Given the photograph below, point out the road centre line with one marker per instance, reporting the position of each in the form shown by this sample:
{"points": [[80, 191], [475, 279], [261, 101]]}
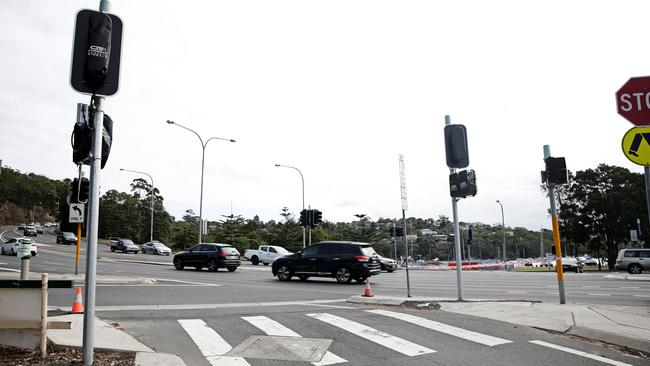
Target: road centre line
{"points": [[384, 339], [210, 343], [590, 286], [444, 328], [599, 294], [645, 296], [273, 328], [629, 287], [580, 353], [213, 306]]}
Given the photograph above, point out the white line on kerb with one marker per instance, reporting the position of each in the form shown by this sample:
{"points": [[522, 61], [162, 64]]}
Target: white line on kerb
{"points": [[444, 328], [384, 339], [10, 270], [210, 343], [213, 306], [273, 328], [580, 353]]}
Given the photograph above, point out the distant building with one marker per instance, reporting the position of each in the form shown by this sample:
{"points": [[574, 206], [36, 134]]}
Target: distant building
{"points": [[427, 232]]}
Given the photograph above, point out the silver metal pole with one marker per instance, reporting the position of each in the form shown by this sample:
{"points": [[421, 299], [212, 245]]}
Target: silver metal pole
{"points": [[201, 199], [302, 178], [541, 242], [91, 235], [406, 246], [503, 231], [457, 248]]}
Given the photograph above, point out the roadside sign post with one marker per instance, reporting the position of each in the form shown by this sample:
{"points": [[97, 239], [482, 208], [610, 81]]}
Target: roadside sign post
{"points": [[24, 252], [633, 104], [78, 251], [402, 182]]}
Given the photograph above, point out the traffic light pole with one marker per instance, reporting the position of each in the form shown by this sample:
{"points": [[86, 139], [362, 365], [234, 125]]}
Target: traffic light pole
{"points": [[93, 220], [457, 248], [406, 246], [556, 233]]}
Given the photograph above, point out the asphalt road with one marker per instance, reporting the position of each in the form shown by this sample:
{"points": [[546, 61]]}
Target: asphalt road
{"points": [[185, 309]]}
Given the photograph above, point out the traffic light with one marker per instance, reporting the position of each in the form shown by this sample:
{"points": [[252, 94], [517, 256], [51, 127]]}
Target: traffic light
{"points": [[399, 231], [470, 236], [84, 190], [456, 146], [316, 217], [556, 172], [303, 218], [82, 136], [462, 184], [96, 53]]}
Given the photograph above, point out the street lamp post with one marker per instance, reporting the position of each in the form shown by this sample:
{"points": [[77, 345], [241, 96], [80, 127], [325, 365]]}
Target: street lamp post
{"points": [[203, 145], [303, 197], [503, 229], [150, 177]]}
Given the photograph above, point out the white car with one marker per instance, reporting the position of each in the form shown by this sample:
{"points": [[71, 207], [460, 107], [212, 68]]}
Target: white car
{"points": [[11, 247], [155, 248]]}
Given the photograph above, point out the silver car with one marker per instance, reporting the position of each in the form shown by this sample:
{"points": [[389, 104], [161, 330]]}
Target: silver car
{"points": [[155, 248], [635, 261]]}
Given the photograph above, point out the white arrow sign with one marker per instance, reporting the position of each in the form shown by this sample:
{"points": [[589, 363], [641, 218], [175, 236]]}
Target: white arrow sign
{"points": [[76, 214], [402, 182]]}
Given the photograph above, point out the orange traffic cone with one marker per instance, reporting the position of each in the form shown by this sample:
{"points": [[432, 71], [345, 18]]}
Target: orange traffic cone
{"points": [[77, 306], [367, 292]]}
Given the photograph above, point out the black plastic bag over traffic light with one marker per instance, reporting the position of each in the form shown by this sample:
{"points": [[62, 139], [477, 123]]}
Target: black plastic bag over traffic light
{"points": [[456, 146], [82, 139], [96, 53], [556, 172]]}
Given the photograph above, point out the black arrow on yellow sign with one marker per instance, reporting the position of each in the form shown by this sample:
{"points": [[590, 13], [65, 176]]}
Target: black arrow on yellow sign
{"points": [[636, 143]]}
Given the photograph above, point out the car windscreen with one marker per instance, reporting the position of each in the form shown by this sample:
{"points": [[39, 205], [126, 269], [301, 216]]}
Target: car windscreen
{"points": [[369, 251], [127, 242], [26, 241], [159, 245]]}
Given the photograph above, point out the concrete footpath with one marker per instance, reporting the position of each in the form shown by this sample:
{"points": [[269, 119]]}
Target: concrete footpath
{"points": [[108, 337], [626, 326]]}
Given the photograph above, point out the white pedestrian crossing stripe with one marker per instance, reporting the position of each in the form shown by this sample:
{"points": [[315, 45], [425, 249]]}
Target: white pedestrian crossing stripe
{"points": [[444, 328], [273, 328], [384, 339], [210, 343], [580, 353]]}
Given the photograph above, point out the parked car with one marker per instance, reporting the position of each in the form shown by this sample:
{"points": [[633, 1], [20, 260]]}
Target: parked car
{"points": [[124, 246], [387, 264], [155, 248], [210, 255], [39, 229], [265, 254], [21, 226], [343, 260], [65, 237], [30, 231], [572, 264], [635, 261], [11, 246]]}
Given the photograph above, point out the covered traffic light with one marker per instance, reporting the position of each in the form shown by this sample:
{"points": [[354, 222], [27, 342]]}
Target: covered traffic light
{"points": [[463, 184], [303, 218], [82, 136], [556, 171], [399, 231], [316, 218], [456, 146]]}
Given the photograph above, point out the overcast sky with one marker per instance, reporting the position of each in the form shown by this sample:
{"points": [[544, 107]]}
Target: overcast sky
{"points": [[337, 89]]}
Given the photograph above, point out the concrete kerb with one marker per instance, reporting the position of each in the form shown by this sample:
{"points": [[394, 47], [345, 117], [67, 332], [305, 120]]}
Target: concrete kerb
{"points": [[627, 277], [80, 279], [624, 326]]}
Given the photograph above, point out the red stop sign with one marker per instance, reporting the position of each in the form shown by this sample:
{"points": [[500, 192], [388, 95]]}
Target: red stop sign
{"points": [[633, 100]]}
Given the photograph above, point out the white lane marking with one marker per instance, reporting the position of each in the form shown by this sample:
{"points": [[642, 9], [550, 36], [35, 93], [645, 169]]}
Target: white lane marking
{"points": [[599, 294], [580, 353], [629, 287], [210, 343], [213, 306], [517, 292], [384, 339], [2, 235], [188, 282], [590, 286], [551, 293], [273, 328], [444, 328], [10, 270], [641, 295]]}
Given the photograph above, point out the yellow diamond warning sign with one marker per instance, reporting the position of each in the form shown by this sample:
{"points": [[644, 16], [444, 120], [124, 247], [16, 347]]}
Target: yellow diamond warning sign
{"points": [[636, 145]]}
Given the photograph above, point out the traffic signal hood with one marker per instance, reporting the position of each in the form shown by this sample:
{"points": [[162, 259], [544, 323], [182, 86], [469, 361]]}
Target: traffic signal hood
{"points": [[556, 171], [456, 146]]}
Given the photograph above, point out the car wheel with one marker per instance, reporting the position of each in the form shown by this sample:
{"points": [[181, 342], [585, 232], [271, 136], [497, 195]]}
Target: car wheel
{"points": [[343, 275], [284, 273], [155, 252], [143, 251], [255, 260], [33, 254], [178, 265], [212, 265], [3, 250], [232, 269], [112, 249], [635, 268], [303, 277]]}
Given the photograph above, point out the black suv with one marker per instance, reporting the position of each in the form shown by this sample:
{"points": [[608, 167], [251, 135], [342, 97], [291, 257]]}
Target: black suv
{"points": [[210, 255], [343, 260]]}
